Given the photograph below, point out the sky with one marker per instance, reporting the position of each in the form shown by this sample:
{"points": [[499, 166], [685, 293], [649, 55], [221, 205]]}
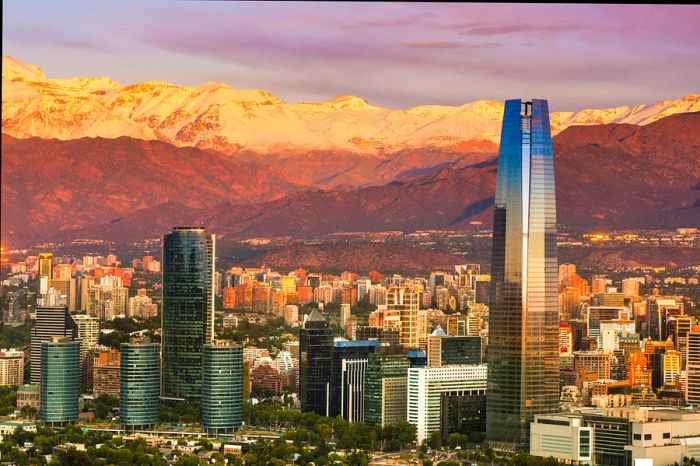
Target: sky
{"points": [[391, 54]]}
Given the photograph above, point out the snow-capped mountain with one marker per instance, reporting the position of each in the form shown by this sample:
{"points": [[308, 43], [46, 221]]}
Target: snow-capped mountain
{"points": [[216, 115]]}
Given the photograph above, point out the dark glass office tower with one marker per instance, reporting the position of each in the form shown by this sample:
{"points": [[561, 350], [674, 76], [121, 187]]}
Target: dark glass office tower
{"points": [[523, 359], [188, 309], [315, 359], [348, 377], [50, 322]]}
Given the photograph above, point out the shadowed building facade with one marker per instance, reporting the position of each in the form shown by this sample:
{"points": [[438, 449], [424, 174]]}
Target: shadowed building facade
{"points": [[315, 361], [523, 364], [188, 309]]}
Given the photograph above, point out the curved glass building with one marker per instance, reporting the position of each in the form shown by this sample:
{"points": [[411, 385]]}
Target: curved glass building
{"points": [[139, 391], [60, 381], [222, 392], [523, 364], [188, 309]]}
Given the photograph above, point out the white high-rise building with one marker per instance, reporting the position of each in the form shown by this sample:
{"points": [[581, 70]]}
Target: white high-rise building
{"points": [[426, 385]]}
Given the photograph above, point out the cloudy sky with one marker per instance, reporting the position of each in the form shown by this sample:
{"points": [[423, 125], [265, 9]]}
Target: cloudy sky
{"points": [[392, 54]]}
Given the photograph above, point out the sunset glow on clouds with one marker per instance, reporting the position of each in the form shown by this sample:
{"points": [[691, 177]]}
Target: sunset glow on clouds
{"points": [[391, 54]]}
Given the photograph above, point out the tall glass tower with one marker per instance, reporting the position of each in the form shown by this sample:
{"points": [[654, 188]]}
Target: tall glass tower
{"points": [[139, 383], [188, 309], [315, 362], [60, 380], [523, 364], [222, 393]]}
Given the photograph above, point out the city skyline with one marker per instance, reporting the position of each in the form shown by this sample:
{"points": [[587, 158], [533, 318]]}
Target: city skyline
{"points": [[331, 233]]}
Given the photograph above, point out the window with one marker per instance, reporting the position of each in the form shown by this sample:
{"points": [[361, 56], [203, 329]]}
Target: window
{"points": [[637, 436], [667, 434], [647, 436]]}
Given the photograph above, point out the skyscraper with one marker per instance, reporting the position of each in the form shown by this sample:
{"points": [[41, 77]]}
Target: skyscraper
{"points": [[50, 322], [523, 364], [188, 309], [315, 359], [222, 393], [60, 380], [139, 383], [348, 377]]}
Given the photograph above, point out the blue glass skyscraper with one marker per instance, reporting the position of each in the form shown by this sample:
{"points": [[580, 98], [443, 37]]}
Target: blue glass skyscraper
{"points": [[523, 364]]}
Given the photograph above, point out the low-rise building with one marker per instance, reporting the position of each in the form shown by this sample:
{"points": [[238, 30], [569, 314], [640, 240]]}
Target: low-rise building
{"points": [[562, 436]]}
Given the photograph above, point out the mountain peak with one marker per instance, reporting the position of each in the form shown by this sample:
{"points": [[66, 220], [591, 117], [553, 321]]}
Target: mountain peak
{"points": [[14, 69], [347, 101]]}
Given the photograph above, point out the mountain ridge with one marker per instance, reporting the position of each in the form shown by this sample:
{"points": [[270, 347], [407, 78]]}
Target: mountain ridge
{"points": [[608, 176], [221, 117]]}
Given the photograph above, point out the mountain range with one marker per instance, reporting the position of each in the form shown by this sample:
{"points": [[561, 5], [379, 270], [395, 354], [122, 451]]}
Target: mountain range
{"points": [[88, 157], [608, 176]]}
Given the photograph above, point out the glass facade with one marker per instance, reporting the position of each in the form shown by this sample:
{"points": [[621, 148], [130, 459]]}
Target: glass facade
{"points": [[315, 360], [523, 362], [385, 387], [461, 350], [139, 390], [60, 381], [188, 309], [347, 377], [222, 393]]}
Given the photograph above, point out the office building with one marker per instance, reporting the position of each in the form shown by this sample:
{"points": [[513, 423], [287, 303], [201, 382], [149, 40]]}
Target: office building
{"points": [[188, 309], [222, 392], [463, 413], [60, 381], [596, 362], [139, 384], [385, 386], [45, 271], [348, 368], [426, 387], [315, 360], [444, 350], [50, 322], [11, 367], [523, 353], [562, 436]]}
